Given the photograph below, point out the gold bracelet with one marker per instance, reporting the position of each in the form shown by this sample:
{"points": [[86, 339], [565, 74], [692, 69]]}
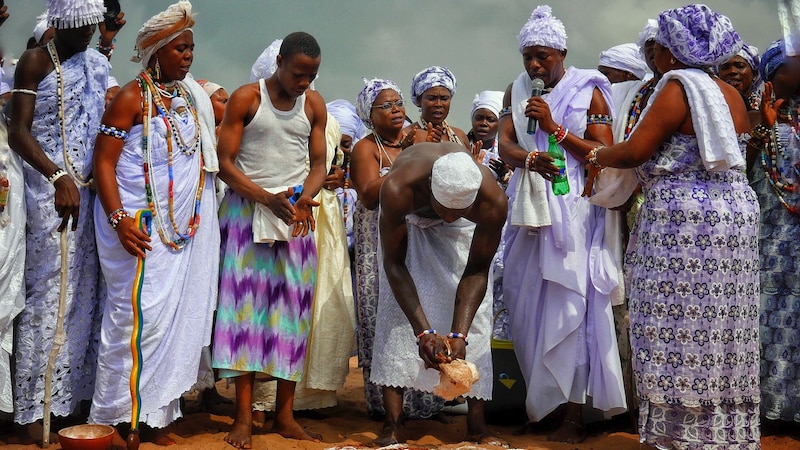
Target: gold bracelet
{"points": [[592, 156]]}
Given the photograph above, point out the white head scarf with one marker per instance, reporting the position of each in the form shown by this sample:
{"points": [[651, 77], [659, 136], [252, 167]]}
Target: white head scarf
{"points": [[625, 57], [267, 63], [543, 29], [209, 86], [349, 122], [455, 180], [41, 27], [161, 29], [74, 13], [491, 100], [648, 33]]}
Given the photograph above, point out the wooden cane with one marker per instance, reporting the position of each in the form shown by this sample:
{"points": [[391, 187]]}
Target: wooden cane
{"points": [[58, 340]]}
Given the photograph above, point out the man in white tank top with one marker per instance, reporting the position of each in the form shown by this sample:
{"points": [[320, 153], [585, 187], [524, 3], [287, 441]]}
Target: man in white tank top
{"points": [[269, 129]]}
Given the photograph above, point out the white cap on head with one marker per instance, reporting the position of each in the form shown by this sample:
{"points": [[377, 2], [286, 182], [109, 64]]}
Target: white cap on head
{"points": [[455, 180]]}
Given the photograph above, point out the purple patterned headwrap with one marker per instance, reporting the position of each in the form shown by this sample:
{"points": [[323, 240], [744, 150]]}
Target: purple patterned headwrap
{"points": [[543, 29], [347, 116], [368, 95], [432, 77], [697, 36], [750, 54], [773, 57]]}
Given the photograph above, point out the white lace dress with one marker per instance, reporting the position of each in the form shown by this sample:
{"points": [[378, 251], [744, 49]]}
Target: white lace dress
{"points": [[12, 263], [85, 81]]}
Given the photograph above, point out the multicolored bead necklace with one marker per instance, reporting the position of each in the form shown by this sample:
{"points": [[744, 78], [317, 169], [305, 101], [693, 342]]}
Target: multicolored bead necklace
{"points": [[148, 89], [69, 162], [637, 106], [769, 161], [190, 147]]}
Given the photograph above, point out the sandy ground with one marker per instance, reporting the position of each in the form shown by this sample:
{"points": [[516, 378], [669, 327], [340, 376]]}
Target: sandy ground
{"points": [[347, 426]]}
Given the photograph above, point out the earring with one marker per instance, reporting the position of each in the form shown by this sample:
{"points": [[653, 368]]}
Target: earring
{"points": [[157, 70], [672, 60]]}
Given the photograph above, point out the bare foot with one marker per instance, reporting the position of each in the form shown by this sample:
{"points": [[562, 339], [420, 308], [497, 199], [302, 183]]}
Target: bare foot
{"points": [[570, 432], [488, 438], [387, 437], [293, 430], [240, 435], [531, 428], [210, 397], [259, 418], [158, 436]]}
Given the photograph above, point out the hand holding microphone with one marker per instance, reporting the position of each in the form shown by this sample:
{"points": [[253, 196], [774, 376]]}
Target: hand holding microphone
{"points": [[537, 87]]}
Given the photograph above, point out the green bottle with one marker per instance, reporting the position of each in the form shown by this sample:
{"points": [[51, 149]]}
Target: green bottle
{"points": [[560, 182]]}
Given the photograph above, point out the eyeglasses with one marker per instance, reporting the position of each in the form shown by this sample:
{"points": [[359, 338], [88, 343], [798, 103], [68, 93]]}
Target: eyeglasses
{"points": [[390, 105]]}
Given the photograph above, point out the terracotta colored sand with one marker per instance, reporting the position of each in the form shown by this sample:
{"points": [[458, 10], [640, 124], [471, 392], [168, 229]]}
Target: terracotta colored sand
{"points": [[347, 426]]}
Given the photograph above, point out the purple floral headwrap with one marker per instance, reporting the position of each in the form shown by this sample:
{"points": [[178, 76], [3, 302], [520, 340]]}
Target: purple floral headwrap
{"points": [[697, 36], [368, 95], [432, 77]]}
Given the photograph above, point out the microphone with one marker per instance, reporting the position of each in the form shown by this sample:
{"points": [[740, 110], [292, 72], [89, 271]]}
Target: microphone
{"points": [[537, 86]]}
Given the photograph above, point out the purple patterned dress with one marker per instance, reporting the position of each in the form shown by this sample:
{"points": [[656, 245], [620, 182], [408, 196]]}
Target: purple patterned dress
{"points": [[693, 280]]}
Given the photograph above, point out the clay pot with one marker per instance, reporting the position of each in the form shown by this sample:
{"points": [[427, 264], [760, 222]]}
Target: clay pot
{"points": [[86, 437]]}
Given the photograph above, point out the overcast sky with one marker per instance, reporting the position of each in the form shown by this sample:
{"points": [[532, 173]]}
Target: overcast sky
{"points": [[476, 39]]}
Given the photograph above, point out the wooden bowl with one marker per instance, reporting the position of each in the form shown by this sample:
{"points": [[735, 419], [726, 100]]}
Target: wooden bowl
{"points": [[86, 437]]}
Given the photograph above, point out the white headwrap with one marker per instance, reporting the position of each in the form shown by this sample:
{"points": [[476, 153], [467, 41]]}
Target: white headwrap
{"points": [[209, 86], [161, 29], [491, 100], [267, 63], [455, 180], [74, 13], [648, 33], [41, 26], [112, 82], [625, 57], [543, 29], [432, 77], [349, 122]]}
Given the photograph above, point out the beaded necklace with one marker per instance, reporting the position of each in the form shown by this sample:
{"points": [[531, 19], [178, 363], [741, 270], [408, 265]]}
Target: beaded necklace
{"points": [[69, 163], [769, 161], [190, 147], [151, 192], [637, 107], [382, 151]]}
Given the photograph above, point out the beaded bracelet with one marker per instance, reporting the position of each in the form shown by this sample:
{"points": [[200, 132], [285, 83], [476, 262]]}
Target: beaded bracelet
{"points": [[453, 335], [55, 176], [116, 217], [505, 112], [530, 160], [760, 132], [113, 132], [560, 134], [592, 157], [599, 119], [428, 331], [108, 51], [506, 177]]}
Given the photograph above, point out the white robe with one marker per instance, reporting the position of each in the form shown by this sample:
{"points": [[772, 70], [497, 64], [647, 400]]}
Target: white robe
{"points": [[436, 257], [12, 263], [179, 292], [558, 280]]}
